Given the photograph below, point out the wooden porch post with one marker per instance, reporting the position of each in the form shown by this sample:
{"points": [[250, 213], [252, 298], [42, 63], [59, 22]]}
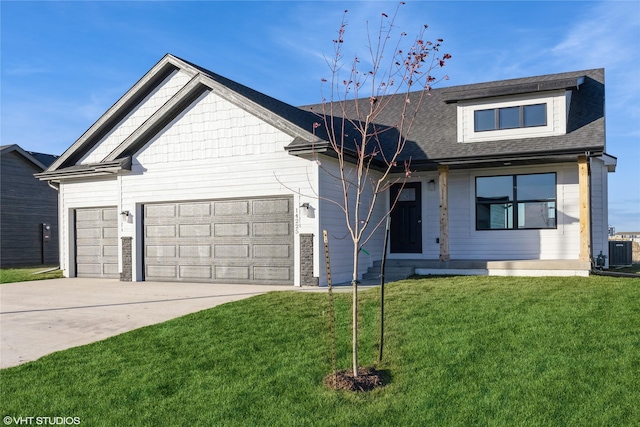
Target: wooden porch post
{"points": [[443, 178], [585, 211]]}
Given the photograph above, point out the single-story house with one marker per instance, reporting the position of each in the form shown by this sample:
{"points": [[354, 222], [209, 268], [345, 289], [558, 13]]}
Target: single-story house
{"points": [[193, 177], [28, 209]]}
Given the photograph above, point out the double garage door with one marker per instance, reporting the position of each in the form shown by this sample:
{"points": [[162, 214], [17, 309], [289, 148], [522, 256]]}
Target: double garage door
{"points": [[220, 241], [217, 241]]}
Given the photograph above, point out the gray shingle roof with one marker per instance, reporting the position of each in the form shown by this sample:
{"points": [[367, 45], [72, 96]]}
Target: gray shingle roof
{"points": [[431, 141], [300, 117], [433, 138], [45, 159]]}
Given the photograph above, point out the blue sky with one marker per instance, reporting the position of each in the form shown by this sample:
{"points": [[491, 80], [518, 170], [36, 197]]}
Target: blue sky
{"points": [[63, 64]]}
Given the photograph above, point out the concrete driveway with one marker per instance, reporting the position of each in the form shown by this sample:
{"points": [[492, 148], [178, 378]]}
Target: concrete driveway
{"points": [[41, 317]]}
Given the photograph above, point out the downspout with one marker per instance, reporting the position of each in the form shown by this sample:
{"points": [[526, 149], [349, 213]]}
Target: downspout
{"points": [[56, 186]]}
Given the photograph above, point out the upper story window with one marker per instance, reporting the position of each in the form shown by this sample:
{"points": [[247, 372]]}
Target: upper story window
{"points": [[513, 117], [522, 116]]}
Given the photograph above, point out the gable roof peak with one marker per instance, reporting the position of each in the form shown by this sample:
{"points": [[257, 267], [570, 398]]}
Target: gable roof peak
{"points": [[289, 119], [39, 159]]}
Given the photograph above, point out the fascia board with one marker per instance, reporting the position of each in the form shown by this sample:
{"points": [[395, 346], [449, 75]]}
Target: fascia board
{"points": [[126, 103], [182, 99], [609, 161], [493, 89], [95, 169]]}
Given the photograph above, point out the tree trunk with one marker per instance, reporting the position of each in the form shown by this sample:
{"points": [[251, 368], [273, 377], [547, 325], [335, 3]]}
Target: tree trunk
{"points": [[354, 284]]}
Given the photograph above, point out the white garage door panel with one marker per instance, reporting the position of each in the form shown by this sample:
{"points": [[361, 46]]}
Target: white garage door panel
{"points": [[220, 241], [96, 231]]}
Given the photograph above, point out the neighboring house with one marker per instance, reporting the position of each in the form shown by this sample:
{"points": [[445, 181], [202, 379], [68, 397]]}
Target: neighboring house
{"points": [[27, 207], [193, 177]]}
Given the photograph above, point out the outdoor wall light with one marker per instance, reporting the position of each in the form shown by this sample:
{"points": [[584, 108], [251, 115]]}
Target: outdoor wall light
{"points": [[125, 215], [431, 185], [307, 210]]}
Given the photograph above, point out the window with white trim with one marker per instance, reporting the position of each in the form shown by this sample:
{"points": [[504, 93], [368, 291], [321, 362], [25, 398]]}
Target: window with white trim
{"points": [[513, 117], [522, 116], [516, 202]]}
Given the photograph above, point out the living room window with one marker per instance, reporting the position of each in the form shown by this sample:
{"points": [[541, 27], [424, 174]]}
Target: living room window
{"points": [[516, 202], [510, 117]]}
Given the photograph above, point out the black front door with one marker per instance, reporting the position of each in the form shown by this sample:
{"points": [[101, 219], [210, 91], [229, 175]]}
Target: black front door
{"points": [[406, 218]]}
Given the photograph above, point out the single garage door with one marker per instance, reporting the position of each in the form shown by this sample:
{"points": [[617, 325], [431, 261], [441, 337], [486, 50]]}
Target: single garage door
{"points": [[97, 242], [220, 241]]}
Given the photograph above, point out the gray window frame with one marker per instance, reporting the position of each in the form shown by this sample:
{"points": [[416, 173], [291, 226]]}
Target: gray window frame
{"points": [[496, 114], [511, 206]]}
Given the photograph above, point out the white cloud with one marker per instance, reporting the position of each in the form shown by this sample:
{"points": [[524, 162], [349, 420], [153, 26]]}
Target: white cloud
{"points": [[608, 32], [25, 69], [310, 32], [607, 35], [49, 125]]}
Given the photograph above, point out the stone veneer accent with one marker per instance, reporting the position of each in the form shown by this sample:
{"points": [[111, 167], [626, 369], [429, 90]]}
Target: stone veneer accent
{"points": [[127, 260], [306, 261]]}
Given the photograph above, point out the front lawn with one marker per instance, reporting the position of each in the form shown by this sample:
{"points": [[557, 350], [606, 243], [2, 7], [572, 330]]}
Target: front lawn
{"points": [[25, 274], [459, 351]]}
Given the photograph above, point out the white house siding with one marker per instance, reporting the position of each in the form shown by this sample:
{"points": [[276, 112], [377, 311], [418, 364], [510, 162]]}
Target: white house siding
{"points": [[560, 243], [215, 150], [333, 220], [599, 209], [159, 96], [75, 195], [465, 242]]}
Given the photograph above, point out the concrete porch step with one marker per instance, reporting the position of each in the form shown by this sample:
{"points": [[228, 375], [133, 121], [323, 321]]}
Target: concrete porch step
{"points": [[392, 271], [398, 269]]}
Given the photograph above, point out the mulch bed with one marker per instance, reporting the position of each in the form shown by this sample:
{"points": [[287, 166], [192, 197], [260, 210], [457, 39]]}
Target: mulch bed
{"points": [[367, 380]]}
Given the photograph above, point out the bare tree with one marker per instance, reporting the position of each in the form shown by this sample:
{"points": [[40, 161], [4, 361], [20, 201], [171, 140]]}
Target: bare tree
{"points": [[368, 152]]}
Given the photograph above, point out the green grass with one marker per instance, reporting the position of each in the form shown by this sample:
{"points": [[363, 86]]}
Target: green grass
{"points": [[25, 274], [461, 351], [633, 269]]}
